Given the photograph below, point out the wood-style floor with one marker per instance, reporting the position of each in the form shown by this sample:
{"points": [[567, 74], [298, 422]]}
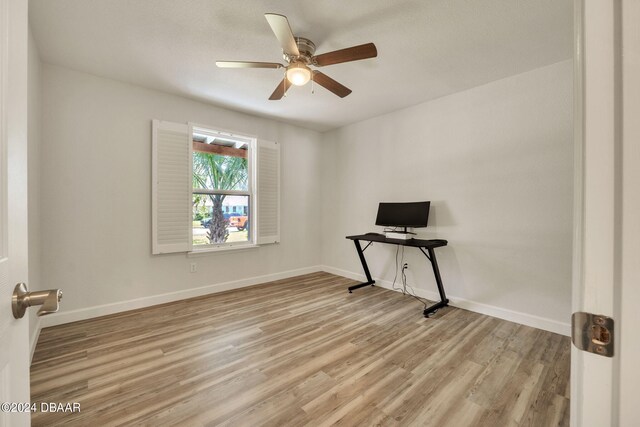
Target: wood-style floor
{"points": [[301, 351]]}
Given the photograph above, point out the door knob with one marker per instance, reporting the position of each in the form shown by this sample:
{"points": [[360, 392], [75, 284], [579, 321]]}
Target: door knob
{"points": [[22, 299]]}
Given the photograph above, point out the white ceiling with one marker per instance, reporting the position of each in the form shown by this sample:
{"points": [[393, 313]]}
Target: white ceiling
{"points": [[426, 48]]}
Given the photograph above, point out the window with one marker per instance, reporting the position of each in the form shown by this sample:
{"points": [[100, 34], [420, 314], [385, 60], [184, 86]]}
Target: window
{"points": [[212, 189], [222, 181]]}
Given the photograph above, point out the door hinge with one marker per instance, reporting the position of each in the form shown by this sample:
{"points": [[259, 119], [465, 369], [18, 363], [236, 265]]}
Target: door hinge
{"points": [[592, 333]]}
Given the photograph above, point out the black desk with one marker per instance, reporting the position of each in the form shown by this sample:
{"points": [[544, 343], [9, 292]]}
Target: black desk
{"points": [[425, 246]]}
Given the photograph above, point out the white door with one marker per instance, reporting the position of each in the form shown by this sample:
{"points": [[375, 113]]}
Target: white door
{"points": [[607, 246], [629, 369], [14, 339]]}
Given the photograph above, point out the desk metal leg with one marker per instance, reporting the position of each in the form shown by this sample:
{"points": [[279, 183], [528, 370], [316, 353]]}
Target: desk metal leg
{"points": [[365, 267], [436, 272]]}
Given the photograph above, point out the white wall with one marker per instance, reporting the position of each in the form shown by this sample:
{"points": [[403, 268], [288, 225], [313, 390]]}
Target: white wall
{"points": [[34, 146], [96, 200], [496, 162]]}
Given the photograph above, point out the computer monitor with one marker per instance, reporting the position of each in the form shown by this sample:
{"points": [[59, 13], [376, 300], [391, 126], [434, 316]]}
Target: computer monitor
{"points": [[407, 214]]}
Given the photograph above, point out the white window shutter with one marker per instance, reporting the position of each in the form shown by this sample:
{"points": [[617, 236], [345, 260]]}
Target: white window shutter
{"points": [[171, 187], [268, 194]]}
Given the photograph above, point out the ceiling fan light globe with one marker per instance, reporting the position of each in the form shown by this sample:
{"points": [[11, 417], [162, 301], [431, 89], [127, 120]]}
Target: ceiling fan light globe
{"points": [[298, 74]]}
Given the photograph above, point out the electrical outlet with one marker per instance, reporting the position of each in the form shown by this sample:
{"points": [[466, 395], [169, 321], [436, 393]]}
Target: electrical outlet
{"points": [[194, 267], [405, 266]]}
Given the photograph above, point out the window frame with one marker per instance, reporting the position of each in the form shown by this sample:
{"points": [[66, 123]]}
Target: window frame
{"points": [[251, 141]]}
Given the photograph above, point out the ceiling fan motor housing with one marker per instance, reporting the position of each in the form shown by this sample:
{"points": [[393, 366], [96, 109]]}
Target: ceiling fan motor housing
{"points": [[306, 48]]}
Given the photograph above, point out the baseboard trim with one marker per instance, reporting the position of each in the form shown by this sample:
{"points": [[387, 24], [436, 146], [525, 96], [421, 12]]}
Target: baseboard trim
{"points": [[63, 317], [490, 310]]}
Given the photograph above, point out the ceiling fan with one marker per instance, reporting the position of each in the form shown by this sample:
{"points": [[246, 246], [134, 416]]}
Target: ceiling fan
{"points": [[299, 54]]}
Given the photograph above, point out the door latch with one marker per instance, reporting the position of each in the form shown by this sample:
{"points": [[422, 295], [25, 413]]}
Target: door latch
{"points": [[592, 333]]}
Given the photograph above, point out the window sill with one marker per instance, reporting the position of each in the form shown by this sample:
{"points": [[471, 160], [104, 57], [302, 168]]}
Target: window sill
{"points": [[221, 248]]}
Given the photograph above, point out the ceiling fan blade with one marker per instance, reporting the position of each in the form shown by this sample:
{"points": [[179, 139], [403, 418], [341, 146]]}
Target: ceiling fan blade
{"points": [[354, 53], [330, 84], [245, 64], [281, 28], [280, 90]]}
